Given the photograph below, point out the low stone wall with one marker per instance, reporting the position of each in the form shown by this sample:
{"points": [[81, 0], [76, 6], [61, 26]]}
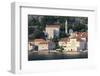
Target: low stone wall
{"points": [[71, 52], [43, 52], [52, 51]]}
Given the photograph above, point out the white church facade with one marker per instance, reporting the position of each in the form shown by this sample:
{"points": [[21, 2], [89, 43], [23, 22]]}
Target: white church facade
{"points": [[52, 31]]}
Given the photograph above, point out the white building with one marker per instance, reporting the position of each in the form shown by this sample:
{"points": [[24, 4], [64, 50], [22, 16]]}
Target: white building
{"points": [[63, 42], [76, 43], [69, 44], [38, 41], [43, 46], [52, 31], [72, 45]]}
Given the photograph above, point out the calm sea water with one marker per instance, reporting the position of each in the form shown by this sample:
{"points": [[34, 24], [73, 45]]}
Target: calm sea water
{"points": [[55, 56]]}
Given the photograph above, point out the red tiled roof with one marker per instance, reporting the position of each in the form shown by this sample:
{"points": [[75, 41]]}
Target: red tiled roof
{"points": [[41, 41], [82, 34], [65, 40], [77, 38]]}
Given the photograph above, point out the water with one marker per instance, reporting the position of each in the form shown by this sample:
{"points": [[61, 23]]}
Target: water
{"points": [[55, 56]]}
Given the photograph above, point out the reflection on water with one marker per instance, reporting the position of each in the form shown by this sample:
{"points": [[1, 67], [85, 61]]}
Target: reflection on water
{"points": [[53, 56]]}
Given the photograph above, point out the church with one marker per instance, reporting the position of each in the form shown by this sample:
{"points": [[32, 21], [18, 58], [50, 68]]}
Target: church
{"points": [[52, 31]]}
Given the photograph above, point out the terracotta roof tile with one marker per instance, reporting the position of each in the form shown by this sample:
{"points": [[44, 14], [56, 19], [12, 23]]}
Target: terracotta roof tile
{"points": [[41, 41]]}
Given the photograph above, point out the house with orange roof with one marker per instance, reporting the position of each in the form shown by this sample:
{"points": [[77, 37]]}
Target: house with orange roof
{"points": [[63, 42], [38, 41], [82, 35], [73, 44], [41, 44]]}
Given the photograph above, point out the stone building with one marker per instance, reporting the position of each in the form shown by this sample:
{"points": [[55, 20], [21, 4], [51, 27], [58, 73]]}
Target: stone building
{"points": [[52, 31]]}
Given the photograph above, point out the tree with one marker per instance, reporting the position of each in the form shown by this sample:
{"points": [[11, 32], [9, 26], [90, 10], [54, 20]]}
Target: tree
{"points": [[61, 49]]}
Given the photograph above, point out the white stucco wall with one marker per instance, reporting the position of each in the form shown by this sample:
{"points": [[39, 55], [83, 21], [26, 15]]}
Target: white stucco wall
{"points": [[50, 31], [43, 47]]}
